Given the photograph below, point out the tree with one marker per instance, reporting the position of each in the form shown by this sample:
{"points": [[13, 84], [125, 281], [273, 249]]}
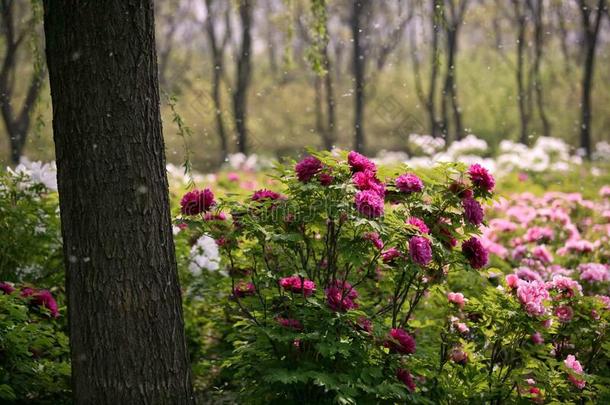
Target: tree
{"points": [[591, 22], [536, 8], [453, 20], [217, 49], [359, 9], [17, 123], [243, 75], [429, 99], [125, 316]]}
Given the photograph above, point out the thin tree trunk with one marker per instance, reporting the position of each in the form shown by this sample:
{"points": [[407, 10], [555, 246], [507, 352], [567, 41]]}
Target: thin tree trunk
{"points": [[125, 315], [537, 10], [359, 7], [330, 102], [437, 18], [520, 73], [591, 33], [217, 51], [240, 94]]}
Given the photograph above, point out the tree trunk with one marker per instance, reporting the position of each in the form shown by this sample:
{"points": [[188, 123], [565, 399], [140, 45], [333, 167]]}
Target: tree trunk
{"points": [[437, 18], [591, 33], [240, 93], [520, 74], [537, 9], [126, 328], [330, 102], [217, 50], [358, 67]]}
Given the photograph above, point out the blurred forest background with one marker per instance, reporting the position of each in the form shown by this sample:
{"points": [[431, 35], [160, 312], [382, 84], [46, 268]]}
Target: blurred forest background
{"points": [[275, 76]]}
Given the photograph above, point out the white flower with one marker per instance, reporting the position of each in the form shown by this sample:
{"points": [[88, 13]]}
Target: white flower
{"points": [[38, 172], [204, 255]]}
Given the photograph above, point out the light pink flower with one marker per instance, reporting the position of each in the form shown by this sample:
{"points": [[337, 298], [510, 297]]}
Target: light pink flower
{"points": [[457, 299]]}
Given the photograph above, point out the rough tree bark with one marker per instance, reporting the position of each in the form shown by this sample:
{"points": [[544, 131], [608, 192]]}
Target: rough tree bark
{"points": [[126, 327], [358, 64], [17, 123], [590, 26], [243, 73], [520, 19]]}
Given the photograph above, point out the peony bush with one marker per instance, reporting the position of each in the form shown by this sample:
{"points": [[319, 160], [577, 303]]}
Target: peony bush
{"points": [[327, 274]]}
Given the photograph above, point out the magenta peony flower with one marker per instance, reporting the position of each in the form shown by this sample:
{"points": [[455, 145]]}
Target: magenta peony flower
{"points": [[420, 250], [44, 298], [409, 183], [512, 281], [481, 178], [264, 195], [375, 238], [298, 285], [532, 295], [390, 255], [340, 296], [474, 251], [369, 204], [406, 378], [575, 368], [6, 288], [307, 168], [457, 299], [26, 292], [290, 323], [360, 163], [564, 313], [400, 341], [419, 224], [325, 179], [367, 180], [197, 201], [210, 216], [473, 212], [537, 338], [243, 289], [365, 324]]}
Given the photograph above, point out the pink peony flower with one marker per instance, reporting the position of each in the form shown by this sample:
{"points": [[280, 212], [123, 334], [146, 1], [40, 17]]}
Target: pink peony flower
{"points": [[473, 212], [341, 296], [574, 367], [409, 183], [541, 253], [527, 274], [290, 323], [298, 285], [6, 288], [197, 201], [481, 178], [594, 272], [457, 299], [369, 204], [474, 251], [367, 180], [264, 195], [419, 224], [512, 280], [565, 286], [360, 163], [605, 301], [375, 238], [400, 341], [532, 295], [44, 298], [210, 216], [539, 234], [243, 289], [462, 327], [390, 255], [307, 168], [459, 356], [406, 378], [564, 313], [420, 250]]}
